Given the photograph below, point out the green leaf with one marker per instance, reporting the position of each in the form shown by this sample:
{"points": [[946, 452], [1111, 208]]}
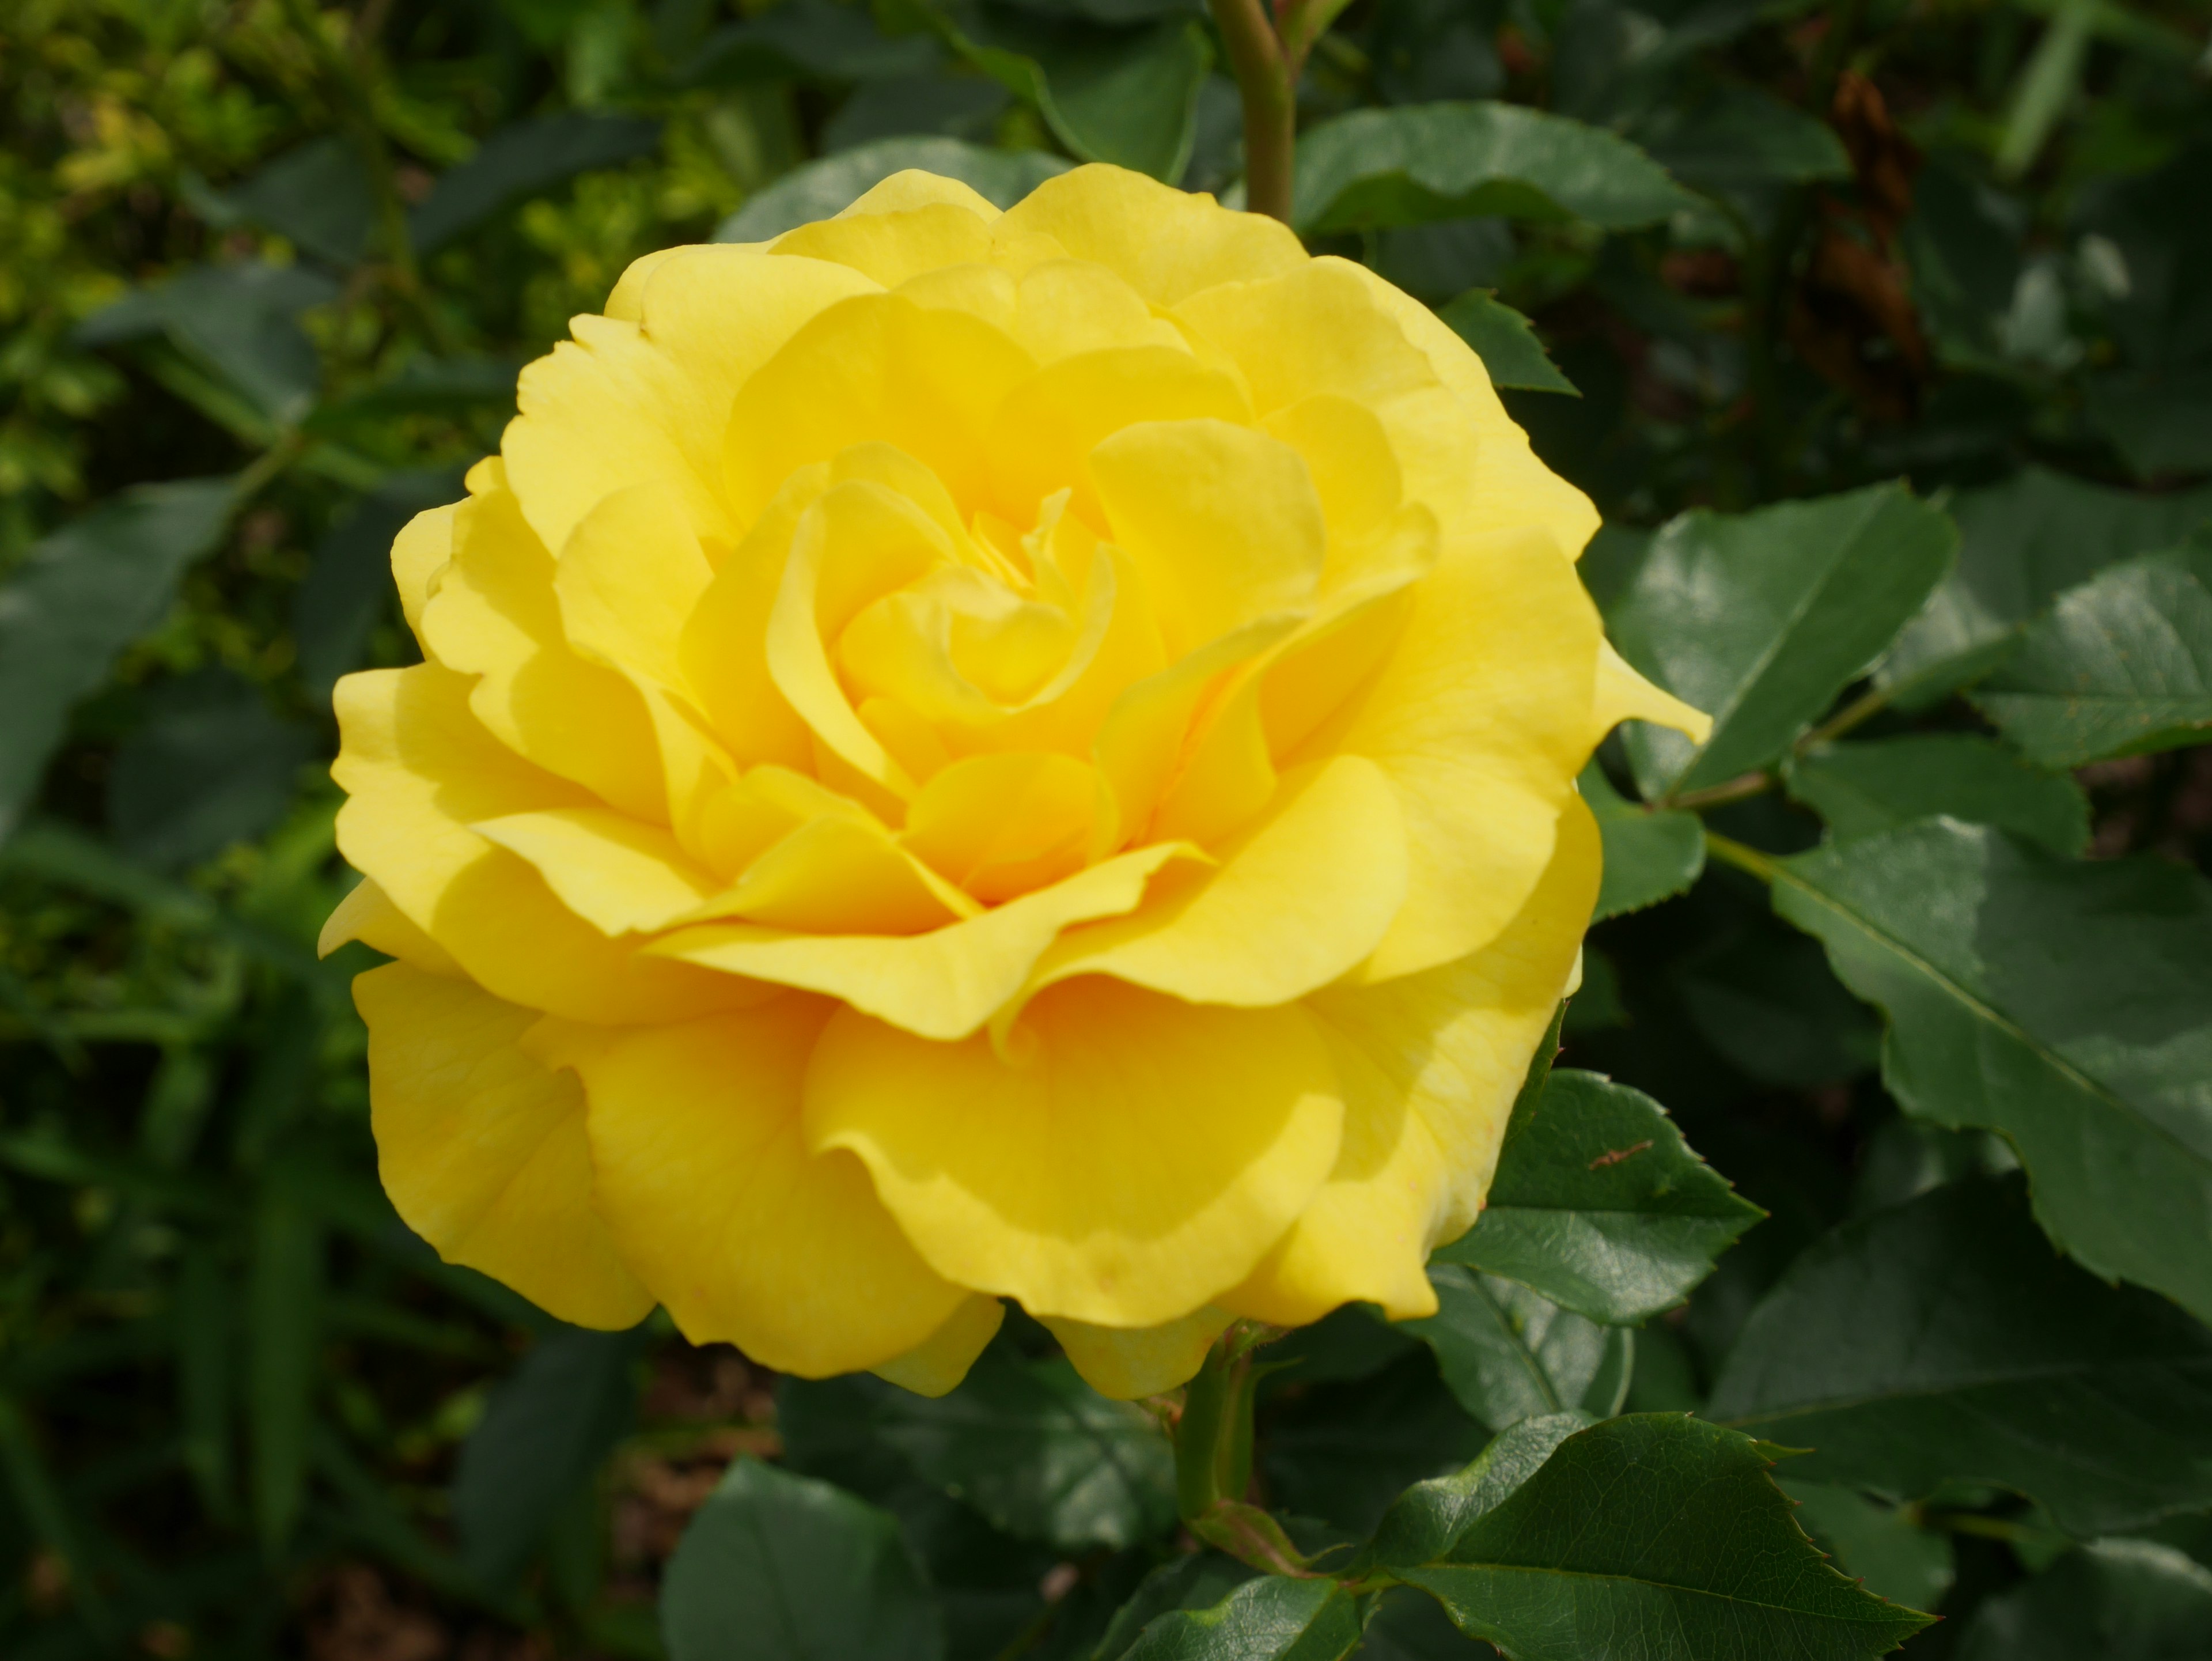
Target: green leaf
{"points": [[1509, 1355], [1193, 1580], [2159, 417], [2120, 666], [1346, 1451], [210, 766], [205, 1346], [1425, 1521], [283, 1294], [1379, 168], [1651, 854], [1272, 1618], [1506, 342], [807, 39], [2067, 1006], [239, 322], [318, 194], [1656, 1537], [1760, 619], [776, 1566], [1944, 1339], [1731, 137], [523, 160], [1866, 786], [1037, 1451], [822, 189], [1600, 1204], [347, 587], [1766, 1002], [2021, 544], [546, 1433], [2117, 1600], [1124, 97], [1885, 1546]]}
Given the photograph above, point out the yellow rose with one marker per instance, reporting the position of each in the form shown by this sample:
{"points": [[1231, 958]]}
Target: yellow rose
{"points": [[964, 756]]}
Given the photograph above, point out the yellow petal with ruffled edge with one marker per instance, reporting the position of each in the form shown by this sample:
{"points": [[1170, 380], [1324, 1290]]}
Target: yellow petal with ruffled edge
{"points": [[1624, 695], [367, 914], [1431, 1064], [483, 1149], [1163, 242], [938, 1366], [706, 1183], [1129, 1363], [1138, 1156]]}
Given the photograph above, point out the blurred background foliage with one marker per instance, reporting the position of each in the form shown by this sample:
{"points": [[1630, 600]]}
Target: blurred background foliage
{"points": [[266, 274]]}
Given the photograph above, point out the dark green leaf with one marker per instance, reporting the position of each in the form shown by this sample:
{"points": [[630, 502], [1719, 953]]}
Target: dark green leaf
{"points": [[237, 322], [1195, 1580], [1268, 1619], [283, 1335], [209, 767], [810, 38], [83, 593], [1125, 96], [1346, 1451], [1599, 1204], [1650, 854], [348, 588], [2121, 665], [1767, 1002], [1730, 137], [1506, 1352], [1884, 1547], [2021, 544], [917, 105], [2117, 1600], [523, 160], [1425, 1521], [318, 195], [2068, 1006], [1033, 1448], [546, 1433], [205, 1345], [1506, 342], [822, 189], [2158, 418], [1866, 786], [1660, 1538], [1943, 1339], [1760, 619], [1402, 167], [775, 1567]]}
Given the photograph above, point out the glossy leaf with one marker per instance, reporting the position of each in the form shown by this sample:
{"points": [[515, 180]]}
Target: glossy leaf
{"points": [[2068, 1006], [1424, 1523], [1886, 1548], [2117, 1600], [1731, 137], [1651, 854], [776, 1566], [1192, 1580], [1272, 1618], [523, 160], [2121, 665], [237, 322], [210, 766], [1861, 788], [2021, 544], [822, 188], [82, 594], [1346, 1451], [1600, 1204], [1378, 168], [1760, 619], [1034, 1449], [318, 195], [1660, 1538], [546, 1433], [1509, 1355], [1506, 342], [1945, 1340]]}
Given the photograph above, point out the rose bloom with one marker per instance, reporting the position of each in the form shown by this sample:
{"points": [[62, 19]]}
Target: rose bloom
{"points": [[964, 755]]}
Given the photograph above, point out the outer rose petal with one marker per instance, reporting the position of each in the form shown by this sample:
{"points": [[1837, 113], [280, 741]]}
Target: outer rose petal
{"points": [[1139, 1158], [938, 1366], [1126, 1363], [1163, 242], [367, 914], [707, 1185], [482, 1149], [416, 767], [1431, 1064], [1624, 695]]}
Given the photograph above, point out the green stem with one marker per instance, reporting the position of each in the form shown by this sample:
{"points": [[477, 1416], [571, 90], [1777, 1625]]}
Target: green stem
{"points": [[1729, 851], [1267, 79], [1740, 788], [1213, 1438], [1860, 709]]}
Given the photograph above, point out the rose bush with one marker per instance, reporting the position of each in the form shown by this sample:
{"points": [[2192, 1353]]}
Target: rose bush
{"points": [[964, 756]]}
